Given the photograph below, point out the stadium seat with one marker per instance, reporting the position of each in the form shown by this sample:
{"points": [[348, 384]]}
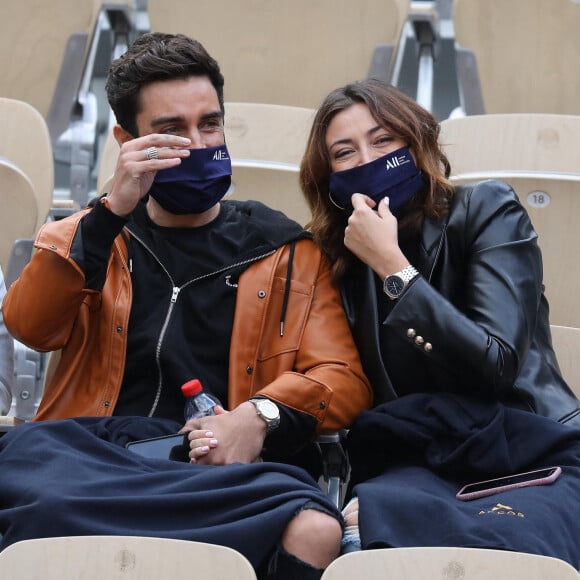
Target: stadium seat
{"points": [[566, 342], [266, 143], [266, 131], [26, 143], [19, 208], [120, 558], [288, 53], [518, 56], [447, 563], [33, 41], [51, 54], [538, 155]]}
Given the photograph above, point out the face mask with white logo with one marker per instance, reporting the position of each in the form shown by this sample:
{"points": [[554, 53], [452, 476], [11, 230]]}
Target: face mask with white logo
{"points": [[394, 176], [197, 184]]}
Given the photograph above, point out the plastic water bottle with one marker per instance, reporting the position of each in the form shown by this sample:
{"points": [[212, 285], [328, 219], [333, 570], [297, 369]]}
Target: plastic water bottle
{"points": [[198, 403]]}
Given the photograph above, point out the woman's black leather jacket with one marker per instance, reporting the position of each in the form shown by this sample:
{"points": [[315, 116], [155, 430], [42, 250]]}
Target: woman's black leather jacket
{"points": [[475, 320]]}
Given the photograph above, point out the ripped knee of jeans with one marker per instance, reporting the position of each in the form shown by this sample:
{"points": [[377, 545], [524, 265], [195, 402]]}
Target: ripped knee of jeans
{"points": [[313, 505]]}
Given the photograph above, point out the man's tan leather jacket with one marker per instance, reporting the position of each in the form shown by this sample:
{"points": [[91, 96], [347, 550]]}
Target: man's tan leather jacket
{"points": [[314, 367]]}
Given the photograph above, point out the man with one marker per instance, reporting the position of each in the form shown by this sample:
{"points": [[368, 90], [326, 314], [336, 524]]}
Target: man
{"points": [[162, 282]]}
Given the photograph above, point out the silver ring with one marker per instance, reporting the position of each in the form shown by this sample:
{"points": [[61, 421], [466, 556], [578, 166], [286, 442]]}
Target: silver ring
{"points": [[152, 153]]}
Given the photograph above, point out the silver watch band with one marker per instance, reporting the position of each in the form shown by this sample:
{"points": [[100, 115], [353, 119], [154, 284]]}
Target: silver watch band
{"points": [[395, 284], [407, 274]]}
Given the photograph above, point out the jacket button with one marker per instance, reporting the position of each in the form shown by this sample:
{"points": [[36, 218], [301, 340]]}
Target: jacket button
{"points": [[411, 333], [119, 329], [428, 347], [261, 294], [323, 404], [107, 404], [52, 247], [249, 369], [419, 340]]}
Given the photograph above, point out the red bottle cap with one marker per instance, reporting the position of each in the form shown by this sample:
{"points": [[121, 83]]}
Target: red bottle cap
{"points": [[191, 388]]}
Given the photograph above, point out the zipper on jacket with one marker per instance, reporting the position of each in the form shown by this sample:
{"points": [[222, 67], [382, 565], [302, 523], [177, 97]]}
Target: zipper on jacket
{"points": [[175, 290]]}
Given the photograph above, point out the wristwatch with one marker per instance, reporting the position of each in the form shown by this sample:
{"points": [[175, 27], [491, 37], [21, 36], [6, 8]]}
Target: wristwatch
{"points": [[394, 285], [269, 412]]}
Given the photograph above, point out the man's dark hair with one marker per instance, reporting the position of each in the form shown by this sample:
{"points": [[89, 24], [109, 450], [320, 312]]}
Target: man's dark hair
{"points": [[154, 57]]}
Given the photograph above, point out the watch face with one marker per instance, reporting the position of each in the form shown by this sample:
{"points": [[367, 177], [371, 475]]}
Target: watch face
{"points": [[269, 409], [394, 286]]}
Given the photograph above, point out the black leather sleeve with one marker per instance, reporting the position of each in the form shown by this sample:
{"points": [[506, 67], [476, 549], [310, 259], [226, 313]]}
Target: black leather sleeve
{"points": [[478, 311]]}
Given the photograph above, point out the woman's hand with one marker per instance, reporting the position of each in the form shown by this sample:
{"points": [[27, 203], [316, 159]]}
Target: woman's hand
{"points": [[372, 236]]}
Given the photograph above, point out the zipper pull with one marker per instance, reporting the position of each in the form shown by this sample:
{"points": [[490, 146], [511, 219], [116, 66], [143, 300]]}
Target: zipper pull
{"points": [[174, 294]]}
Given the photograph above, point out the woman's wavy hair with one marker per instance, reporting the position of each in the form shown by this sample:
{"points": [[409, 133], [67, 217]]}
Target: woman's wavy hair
{"points": [[404, 119]]}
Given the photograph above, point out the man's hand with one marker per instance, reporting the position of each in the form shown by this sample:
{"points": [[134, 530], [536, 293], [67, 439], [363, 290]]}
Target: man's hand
{"points": [[227, 437], [135, 172]]}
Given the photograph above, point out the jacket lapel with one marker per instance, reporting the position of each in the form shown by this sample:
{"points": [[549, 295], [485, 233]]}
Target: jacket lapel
{"points": [[432, 240]]}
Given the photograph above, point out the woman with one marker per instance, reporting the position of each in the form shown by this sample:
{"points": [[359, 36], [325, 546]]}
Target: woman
{"points": [[443, 290]]}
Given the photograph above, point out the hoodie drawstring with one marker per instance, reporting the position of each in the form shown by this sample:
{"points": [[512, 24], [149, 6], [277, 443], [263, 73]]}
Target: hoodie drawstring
{"points": [[287, 287]]}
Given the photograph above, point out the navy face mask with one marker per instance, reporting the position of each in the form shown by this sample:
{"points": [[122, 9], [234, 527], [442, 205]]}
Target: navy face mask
{"points": [[197, 184], [395, 175]]}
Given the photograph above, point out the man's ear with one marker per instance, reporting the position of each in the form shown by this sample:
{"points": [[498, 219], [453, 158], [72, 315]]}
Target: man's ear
{"points": [[121, 135]]}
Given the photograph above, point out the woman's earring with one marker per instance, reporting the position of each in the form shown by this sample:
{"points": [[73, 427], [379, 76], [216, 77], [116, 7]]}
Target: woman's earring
{"points": [[334, 202]]}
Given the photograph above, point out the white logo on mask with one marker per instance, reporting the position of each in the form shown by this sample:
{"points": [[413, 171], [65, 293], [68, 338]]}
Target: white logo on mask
{"points": [[220, 155], [397, 162]]}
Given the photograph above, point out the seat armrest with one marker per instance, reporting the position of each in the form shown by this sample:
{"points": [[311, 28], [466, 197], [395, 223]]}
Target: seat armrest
{"points": [[335, 465], [470, 92], [7, 423], [424, 21]]}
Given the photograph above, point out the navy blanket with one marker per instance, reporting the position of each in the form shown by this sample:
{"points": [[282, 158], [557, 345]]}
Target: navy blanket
{"points": [[411, 456], [74, 477]]}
